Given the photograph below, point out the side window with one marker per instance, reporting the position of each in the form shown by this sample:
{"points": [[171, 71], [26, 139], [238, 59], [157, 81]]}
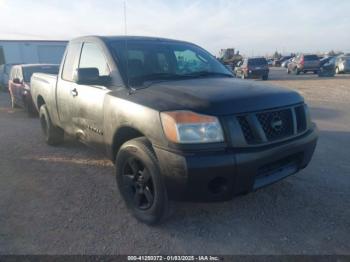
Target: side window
{"points": [[70, 63], [93, 56]]}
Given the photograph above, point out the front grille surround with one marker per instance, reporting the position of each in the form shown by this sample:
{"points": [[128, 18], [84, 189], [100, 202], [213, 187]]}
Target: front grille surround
{"points": [[301, 118], [274, 125], [247, 131]]}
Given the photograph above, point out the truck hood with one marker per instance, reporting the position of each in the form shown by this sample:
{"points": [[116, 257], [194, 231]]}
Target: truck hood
{"points": [[215, 96]]}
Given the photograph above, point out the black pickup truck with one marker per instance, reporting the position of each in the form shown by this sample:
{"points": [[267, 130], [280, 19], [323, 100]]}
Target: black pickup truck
{"points": [[173, 120]]}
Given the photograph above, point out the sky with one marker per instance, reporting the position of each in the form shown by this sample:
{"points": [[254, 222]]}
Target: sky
{"points": [[254, 27]]}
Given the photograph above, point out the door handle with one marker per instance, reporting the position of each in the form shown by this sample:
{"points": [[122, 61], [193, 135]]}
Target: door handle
{"points": [[74, 92]]}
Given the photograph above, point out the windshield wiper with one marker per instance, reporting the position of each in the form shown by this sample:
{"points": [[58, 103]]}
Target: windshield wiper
{"points": [[206, 73], [139, 82], [157, 76]]}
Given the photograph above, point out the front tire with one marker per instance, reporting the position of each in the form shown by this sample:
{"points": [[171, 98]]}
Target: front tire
{"points": [[337, 70], [53, 135], [140, 183]]}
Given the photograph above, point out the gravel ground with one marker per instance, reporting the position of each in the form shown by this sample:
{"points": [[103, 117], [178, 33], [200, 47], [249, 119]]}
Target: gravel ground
{"points": [[64, 200]]}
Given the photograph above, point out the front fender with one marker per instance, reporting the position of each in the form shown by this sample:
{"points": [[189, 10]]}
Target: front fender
{"points": [[119, 112]]}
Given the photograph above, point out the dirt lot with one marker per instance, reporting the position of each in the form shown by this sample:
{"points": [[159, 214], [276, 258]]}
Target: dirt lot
{"points": [[64, 200]]}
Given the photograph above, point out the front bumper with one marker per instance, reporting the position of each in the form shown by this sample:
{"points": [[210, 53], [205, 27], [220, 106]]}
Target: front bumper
{"points": [[221, 175]]}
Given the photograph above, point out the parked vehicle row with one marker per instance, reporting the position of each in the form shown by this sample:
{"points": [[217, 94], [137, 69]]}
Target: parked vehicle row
{"points": [[258, 67], [173, 119], [325, 66], [304, 63]]}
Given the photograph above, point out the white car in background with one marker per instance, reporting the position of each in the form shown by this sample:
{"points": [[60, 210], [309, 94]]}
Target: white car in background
{"points": [[342, 64], [285, 63]]}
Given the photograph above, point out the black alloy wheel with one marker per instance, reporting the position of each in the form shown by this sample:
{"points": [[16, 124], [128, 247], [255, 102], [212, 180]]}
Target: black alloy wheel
{"points": [[138, 181]]}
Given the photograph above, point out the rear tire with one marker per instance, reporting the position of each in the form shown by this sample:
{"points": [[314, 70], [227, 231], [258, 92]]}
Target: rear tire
{"points": [[53, 135], [139, 181], [243, 76], [288, 72], [297, 72], [31, 112], [337, 70]]}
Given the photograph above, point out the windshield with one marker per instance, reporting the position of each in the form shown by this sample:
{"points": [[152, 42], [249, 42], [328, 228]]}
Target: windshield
{"points": [[29, 71], [164, 60], [257, 62]]}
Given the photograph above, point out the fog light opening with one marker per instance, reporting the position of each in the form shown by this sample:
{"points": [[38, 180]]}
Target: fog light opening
{"points": [[218, 185]]}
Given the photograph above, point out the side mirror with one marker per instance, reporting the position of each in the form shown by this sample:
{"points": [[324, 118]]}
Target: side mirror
{"points": [[90, 76], [17, 81]]}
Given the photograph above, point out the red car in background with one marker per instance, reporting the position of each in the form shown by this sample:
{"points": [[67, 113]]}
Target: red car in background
{"points": [[19, 84]]}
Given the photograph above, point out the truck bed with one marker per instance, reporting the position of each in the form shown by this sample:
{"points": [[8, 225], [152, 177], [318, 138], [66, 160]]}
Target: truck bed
{"points": [[43, 84]]}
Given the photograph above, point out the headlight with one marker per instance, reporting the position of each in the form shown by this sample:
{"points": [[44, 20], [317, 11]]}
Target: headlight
{"points": [[191, 128]]}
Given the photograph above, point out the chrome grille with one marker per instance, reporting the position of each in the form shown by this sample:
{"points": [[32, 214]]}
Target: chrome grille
{"points": [[284, 128], [273, 125]]}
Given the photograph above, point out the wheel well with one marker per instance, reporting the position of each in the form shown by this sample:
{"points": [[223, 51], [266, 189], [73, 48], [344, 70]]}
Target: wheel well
{"points": [[40, 102], [123, 135]]}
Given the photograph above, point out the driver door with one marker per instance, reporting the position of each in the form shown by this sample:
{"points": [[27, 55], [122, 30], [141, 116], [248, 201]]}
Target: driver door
{"points": [[89, 99]]}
